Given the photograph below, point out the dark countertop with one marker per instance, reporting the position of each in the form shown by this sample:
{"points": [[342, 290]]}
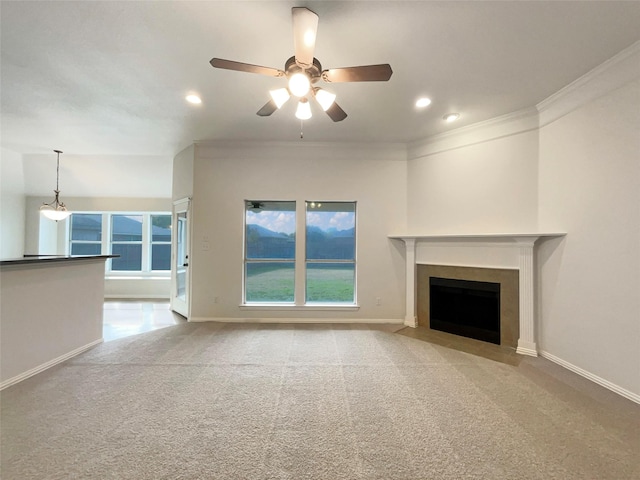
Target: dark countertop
{"points": [[35, 259]]}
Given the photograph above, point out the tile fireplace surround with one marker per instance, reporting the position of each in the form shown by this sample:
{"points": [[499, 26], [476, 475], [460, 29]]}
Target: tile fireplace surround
{"points": [[499, 251]]}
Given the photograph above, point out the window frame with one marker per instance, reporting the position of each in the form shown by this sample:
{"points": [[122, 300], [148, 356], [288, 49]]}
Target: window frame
{"points": [[106, 242], [143, 242], [254, 261], [336, 261], [157, 242], [300, 264], [71, 241]]}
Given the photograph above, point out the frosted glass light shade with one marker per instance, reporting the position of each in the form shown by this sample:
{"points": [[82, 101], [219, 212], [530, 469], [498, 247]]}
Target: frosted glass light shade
{"points": [[59, 213], [299, 84], [303, 112], [280, 96], [325, 99]]}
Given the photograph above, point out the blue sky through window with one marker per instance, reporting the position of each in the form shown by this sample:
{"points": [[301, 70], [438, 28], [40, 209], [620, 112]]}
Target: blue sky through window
{"points": [[276, 221], [285, 222]]}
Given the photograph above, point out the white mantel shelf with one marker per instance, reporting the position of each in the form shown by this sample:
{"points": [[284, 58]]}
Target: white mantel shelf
{"points": [[524, 242], [479, 236]]}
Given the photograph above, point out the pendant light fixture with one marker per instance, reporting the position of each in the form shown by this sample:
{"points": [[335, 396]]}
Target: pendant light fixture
{"points": [[55, 210]]}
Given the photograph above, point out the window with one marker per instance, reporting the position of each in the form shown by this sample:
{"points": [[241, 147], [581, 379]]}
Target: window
{"points": [[326, 263], [143, 240], [270, 249], [126, 241], [160, 242], [86, 234], [330, 252]]}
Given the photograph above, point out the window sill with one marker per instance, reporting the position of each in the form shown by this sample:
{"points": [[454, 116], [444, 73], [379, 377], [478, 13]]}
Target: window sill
{"points": [[314, 307], [137, 277]]}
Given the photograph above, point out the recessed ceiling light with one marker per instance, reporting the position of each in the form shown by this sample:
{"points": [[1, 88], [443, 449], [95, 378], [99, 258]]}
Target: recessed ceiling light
{"points": [[451, 117], [423, 102], [193, 99]]}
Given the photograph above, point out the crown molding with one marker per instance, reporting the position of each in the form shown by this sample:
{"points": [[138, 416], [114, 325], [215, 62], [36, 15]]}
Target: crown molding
{"points": [[520, 121], [298, 150], [614, 73]]}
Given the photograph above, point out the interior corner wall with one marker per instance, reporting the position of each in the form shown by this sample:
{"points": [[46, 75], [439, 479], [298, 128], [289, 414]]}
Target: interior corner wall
{"points": [[589, 186], [12, 205], [487, 187], [374, 177], [12, 225], [182, 183]]}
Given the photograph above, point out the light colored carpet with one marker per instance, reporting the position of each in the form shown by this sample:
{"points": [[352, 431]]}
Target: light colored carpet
{"points": [[244, 401]]}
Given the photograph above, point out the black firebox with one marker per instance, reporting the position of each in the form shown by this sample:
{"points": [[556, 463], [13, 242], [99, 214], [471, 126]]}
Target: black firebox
{"points": [[464, 307]]}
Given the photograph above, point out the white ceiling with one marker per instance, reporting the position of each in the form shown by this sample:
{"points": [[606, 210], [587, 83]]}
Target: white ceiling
{"points": [[110, 77]]}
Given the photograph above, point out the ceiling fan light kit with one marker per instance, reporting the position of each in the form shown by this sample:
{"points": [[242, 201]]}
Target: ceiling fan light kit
{"points": [[303, 70], [303, 112], [299, 84], [324, 98], [280, 96]]}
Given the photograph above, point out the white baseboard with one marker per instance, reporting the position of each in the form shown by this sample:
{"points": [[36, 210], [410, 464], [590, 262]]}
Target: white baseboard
{"points": [[411, 321], [49, 364], [116, 296], [634, 397], [393, 321]]}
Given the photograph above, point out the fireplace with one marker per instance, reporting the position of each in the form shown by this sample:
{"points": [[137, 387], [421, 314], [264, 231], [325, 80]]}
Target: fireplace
{"points": [[510, 252], [465, 307], [480, 303]]}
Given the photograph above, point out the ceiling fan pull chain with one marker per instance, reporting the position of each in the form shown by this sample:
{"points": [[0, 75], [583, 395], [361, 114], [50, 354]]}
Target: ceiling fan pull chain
{"points": [[301, 133]]}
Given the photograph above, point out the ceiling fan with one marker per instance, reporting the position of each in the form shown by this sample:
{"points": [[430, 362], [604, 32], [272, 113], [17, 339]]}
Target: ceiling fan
{"points": [[303, 71], [255, 207]]}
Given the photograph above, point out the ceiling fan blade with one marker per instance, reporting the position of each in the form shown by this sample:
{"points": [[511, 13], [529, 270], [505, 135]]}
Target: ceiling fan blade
{"points": [[305, 27], [366, 73], [245, 67], [268, 109], [336, 113]]}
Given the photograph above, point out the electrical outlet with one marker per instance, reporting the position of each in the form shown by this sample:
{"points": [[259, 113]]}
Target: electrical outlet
{"points": [[205, 246], [378, 301]]}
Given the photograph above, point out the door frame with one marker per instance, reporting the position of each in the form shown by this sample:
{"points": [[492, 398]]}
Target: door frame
{"points": [[182, 205]]}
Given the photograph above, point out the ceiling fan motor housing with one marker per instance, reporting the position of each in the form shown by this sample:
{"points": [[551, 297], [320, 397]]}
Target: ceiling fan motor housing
{"points": [[314, 72]]}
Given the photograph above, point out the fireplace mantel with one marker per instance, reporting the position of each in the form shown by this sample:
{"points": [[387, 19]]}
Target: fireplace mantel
{"points": [[470, 250]]}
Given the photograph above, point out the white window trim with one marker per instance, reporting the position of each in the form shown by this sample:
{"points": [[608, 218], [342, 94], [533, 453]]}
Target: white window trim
{"points": [[300, 265], [106, 243]]}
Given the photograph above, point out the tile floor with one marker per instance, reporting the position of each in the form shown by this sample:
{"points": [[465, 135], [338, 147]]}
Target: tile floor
{"points": [[123, 318], [497, 353]]}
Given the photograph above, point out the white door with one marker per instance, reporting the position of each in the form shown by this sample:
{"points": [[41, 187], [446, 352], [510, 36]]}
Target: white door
{"points": [[180, 264]]}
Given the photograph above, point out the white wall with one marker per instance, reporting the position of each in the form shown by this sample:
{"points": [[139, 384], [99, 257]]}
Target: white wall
{"points": [[225, 176], [485, 187], [12, 205], [182, 184], [50, 312], [579, 173], [590, 282]]}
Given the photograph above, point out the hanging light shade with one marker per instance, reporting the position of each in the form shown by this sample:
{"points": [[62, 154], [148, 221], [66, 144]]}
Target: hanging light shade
{"points": [[56, 210], [303, 112], [324, 98], [280, 96]]}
